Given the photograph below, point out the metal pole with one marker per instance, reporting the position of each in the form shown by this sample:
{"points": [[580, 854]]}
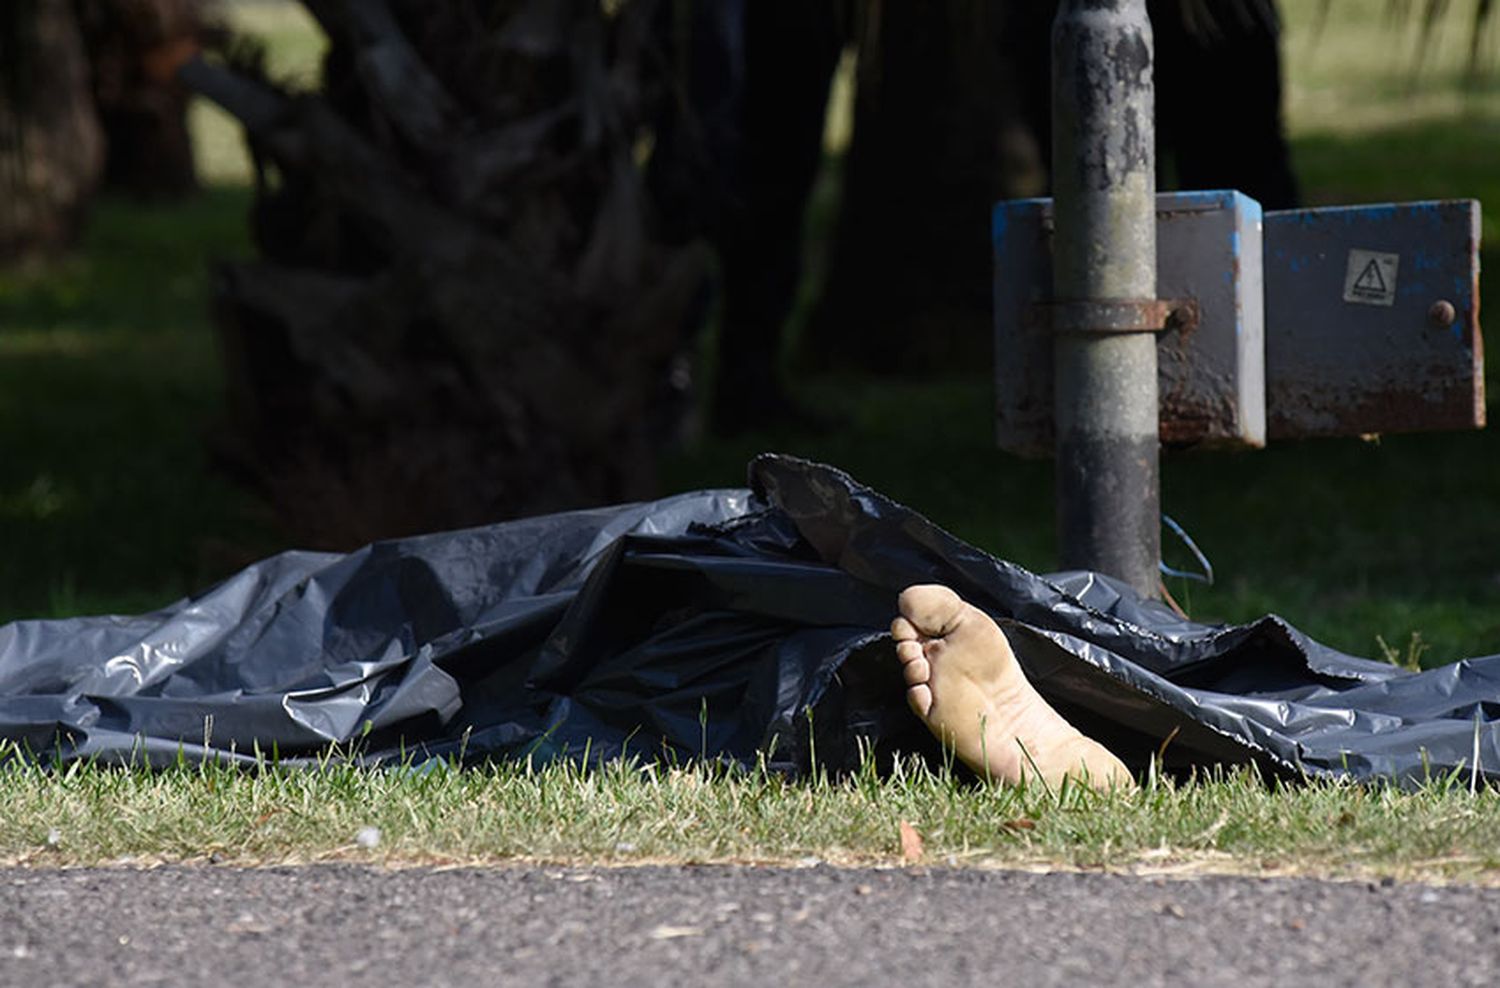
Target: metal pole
{"points": [[1104, 191]]}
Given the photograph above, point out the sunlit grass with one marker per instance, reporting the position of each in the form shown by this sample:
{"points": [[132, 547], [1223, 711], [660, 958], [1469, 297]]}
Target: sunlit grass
{"points": [[627, 814], [1367, 71], [294, 47]]}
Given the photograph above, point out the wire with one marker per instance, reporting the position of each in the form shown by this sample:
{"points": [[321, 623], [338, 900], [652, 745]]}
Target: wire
{"points": [[1207, 574]]}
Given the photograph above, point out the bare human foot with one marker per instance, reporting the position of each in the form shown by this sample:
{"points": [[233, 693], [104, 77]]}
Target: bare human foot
{"points": [[965, 684]]}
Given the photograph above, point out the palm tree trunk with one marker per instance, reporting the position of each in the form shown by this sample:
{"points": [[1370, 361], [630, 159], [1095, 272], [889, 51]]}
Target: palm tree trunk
{"points": [[463, 310], [51, 144]]}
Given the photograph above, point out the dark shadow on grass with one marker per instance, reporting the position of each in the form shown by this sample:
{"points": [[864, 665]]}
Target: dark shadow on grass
{"points": [[110, 380]]}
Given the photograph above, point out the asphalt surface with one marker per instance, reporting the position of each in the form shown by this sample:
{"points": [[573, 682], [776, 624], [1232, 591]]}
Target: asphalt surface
{"points": [[347, 925]]}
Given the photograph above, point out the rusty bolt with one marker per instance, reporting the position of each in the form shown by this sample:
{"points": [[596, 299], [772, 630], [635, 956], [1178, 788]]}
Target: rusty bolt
{"points": [[1442, 314], [1183, 318]]}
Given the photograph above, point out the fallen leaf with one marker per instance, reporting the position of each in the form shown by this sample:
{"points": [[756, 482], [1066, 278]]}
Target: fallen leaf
{"points": [[1020, 823], [911, 843], [674, 932], [261, 820]]}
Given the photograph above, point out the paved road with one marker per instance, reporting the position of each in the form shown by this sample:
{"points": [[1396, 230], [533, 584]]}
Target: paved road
{"points": [[345, 925]]}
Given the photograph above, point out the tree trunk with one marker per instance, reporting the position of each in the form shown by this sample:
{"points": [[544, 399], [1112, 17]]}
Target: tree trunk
{"points": [[939, 136], [51, 144], [135, 48], [462, 311]]}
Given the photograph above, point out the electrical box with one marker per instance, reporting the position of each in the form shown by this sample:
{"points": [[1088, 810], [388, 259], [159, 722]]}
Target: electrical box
{"points": [[1331, 321]]}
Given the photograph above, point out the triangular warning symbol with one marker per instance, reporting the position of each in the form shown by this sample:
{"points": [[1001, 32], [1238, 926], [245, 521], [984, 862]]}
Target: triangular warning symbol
{"points": [[1370, 279]]}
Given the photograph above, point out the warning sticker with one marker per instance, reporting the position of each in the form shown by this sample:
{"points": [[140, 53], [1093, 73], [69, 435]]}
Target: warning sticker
{"points": [[1371, 277]]}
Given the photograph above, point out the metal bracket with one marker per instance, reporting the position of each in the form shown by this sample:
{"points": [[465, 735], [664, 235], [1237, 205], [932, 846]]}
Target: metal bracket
{"points": [[1114, 316], [1211, 384]]}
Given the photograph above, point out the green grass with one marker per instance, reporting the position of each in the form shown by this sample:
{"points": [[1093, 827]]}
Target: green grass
{"points": [[108, 502], [622, 814], [109, 387], [1365, 71]]}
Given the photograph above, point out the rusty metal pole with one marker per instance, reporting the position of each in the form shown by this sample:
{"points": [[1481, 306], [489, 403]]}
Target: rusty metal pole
{"points": [[1104, 192]]}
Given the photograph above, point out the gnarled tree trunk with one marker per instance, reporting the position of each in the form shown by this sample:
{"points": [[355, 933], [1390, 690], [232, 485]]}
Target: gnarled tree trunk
{"points": [[51, 145], [461, 311]]}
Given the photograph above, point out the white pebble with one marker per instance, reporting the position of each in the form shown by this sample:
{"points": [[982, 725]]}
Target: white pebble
{"points": [[368, 837]]}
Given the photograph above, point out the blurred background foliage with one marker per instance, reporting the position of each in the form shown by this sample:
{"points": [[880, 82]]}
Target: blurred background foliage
{"points": [[111, 380]]}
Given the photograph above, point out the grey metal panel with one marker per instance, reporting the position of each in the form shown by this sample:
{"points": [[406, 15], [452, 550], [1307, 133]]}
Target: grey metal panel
{"points": [[1211, 377], [1356, 336]]}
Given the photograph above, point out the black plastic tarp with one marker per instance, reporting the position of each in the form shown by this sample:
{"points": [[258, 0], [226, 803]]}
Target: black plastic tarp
{"points": [[738, 624]]}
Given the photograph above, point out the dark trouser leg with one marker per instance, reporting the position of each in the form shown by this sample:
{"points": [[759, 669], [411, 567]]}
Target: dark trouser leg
{"points": [[791, 50]]}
